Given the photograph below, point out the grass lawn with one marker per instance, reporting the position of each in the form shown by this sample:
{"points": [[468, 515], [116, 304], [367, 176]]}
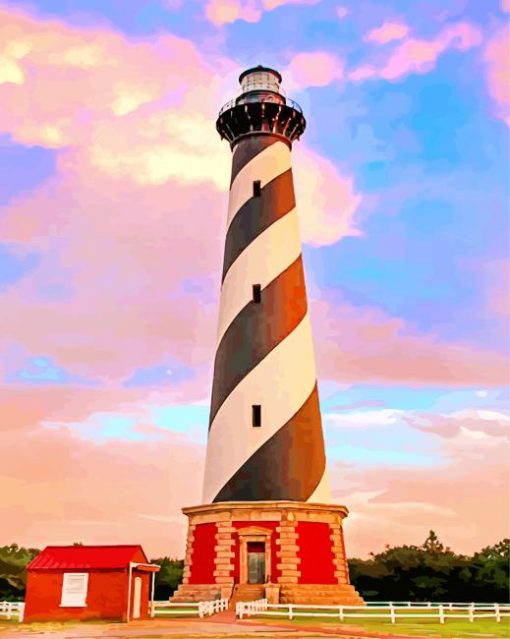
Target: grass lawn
{"points": [[183, 612], [458, 628]]}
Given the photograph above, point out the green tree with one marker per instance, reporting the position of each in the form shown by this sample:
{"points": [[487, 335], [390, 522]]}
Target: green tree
{"points": [[168, 578], [13, 575], [490, 572], [433, 572]]}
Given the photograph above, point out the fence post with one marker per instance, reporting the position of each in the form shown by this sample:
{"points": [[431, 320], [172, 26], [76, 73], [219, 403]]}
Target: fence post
{"points": [[341, 612], [497, 612], [441, 613], [9, 611], [429, 604], [290, 611], [408, 604], [471, 612], [22, 612], [392, 613]]}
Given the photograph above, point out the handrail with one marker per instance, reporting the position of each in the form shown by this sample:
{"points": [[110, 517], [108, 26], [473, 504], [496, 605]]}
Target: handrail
{"points": [[288, 102]]}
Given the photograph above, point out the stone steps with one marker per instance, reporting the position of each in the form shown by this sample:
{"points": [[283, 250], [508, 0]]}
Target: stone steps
{"points": [[246, 592], [323, 601], [199, 592], [319, 594]]}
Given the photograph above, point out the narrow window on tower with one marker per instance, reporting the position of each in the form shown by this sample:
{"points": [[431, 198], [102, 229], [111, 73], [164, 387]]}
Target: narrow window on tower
{"points": [[256, 188], [257, 293], [256, 415]]}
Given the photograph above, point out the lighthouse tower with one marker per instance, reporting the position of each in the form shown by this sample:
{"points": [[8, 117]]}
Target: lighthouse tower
{"points": [[265, 526]]}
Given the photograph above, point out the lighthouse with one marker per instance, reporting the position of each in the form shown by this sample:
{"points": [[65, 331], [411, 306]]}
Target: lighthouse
{"points": [[266, 526]]}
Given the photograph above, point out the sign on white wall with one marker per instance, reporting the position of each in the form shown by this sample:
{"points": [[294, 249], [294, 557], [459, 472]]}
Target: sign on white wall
{"points": [[74, 589]]}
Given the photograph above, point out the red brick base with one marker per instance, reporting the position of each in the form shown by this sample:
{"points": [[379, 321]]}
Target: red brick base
{"points": [[303, 545]]}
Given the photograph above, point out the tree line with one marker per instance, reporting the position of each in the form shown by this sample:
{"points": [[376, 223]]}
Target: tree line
{"points": [[433, 572], [430, 572]]}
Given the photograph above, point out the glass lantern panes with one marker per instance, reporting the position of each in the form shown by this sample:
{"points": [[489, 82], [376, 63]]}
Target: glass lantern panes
{"points": [[260, 80]]}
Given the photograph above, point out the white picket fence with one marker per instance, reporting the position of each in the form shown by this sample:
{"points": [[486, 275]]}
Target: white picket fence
{"points": [[381, 610], [196, 609], [247, 608], [12, 610], [210, 607], [450, 605]]}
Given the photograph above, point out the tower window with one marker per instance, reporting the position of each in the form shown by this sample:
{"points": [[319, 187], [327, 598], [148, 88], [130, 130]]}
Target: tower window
{"points": [[257, 293], [256, 188], [256, 415]]}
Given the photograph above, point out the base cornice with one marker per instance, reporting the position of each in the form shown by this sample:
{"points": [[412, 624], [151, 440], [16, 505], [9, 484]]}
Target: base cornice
{"points": [[283, 505]]}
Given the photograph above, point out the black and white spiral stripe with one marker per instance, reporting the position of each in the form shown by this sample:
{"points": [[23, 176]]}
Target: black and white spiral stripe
{"points": [[264, 351]]}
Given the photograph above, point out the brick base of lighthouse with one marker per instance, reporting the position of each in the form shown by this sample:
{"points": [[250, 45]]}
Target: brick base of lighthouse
{"points": [[290, 552]]}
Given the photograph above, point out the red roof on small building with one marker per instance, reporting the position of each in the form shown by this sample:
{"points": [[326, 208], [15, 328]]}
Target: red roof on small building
{"points": [[87, 557]]}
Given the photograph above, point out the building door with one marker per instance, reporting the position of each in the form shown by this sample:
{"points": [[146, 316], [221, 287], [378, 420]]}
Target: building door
{"points": [[256, 563], [137, 597]]}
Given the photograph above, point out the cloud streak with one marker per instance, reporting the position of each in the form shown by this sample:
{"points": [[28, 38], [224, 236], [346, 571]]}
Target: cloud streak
{"points": [[417, 55]]}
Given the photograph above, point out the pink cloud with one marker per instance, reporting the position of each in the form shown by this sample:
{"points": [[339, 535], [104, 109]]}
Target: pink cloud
{"points": [[496, 287], [496, 57], [136, 207], [221, 12], [387, 32], [269, 5], [414, 55], [364, 344], [124, 260], [313, 69], [420, 56], [362, 73], [62, 489], [127, 254], [464, 499], [477, 423], [105, 74], [342, 12], [327, 200]]}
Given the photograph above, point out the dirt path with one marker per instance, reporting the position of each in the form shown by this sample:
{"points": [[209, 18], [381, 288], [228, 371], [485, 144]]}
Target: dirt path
{"points": [[221, 625]]}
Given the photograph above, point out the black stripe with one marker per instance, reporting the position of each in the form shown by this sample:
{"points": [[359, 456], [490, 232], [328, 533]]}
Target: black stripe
{"points": [[289, 465], [247, 148], [257, 214], [256, 330]]}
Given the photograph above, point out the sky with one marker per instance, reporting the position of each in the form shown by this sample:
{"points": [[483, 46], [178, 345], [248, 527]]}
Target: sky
{"points": [[113, 201]]}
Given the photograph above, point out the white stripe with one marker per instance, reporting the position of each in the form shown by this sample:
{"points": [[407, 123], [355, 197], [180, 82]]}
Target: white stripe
{"points": [[261, 262], [322, 494], [280, 383], [265, 166]]}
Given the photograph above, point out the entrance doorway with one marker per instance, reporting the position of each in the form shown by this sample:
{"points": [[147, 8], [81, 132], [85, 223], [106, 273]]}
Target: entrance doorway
{"points": [[256, 562], [254, 554]]}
